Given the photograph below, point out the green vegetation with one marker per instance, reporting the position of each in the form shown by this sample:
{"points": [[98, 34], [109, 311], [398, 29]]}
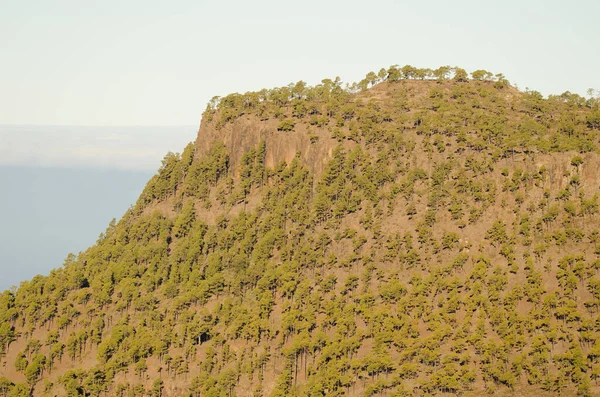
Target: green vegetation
{"points": [[450, 244]]}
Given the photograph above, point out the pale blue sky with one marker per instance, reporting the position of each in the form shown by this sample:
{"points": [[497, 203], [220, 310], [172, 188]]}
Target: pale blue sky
{"points": [[146, 62]]}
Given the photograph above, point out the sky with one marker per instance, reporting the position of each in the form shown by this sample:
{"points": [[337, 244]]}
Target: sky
{"points": [[157, 63]]}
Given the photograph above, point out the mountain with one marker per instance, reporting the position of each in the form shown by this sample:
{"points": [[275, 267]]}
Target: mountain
{"points": [[421, 232]]}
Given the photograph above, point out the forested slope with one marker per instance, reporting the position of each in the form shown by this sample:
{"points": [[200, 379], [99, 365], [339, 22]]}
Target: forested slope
{"points": [[421, 232]]}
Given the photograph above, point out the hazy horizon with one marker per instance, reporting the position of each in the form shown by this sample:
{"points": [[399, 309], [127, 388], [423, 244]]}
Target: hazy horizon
{"points": [[122, 147]]}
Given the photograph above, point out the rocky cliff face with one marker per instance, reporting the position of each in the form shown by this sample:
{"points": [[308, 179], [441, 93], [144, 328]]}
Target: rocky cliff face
{"points": [[247, 132], [314, 147]]}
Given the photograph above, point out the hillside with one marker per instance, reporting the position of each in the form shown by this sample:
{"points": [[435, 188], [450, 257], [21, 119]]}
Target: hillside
{"points": [[421, 232]]}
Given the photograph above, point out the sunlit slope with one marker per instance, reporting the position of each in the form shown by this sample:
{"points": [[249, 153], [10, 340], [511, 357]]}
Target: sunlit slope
{"points": [[420, 232]]}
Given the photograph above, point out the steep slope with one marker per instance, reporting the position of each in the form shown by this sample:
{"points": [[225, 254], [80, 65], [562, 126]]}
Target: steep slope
{"points": [[402, 236]]}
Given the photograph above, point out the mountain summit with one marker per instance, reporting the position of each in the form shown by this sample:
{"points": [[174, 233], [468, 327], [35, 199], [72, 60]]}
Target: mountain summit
{"points": [[421, 232]]}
